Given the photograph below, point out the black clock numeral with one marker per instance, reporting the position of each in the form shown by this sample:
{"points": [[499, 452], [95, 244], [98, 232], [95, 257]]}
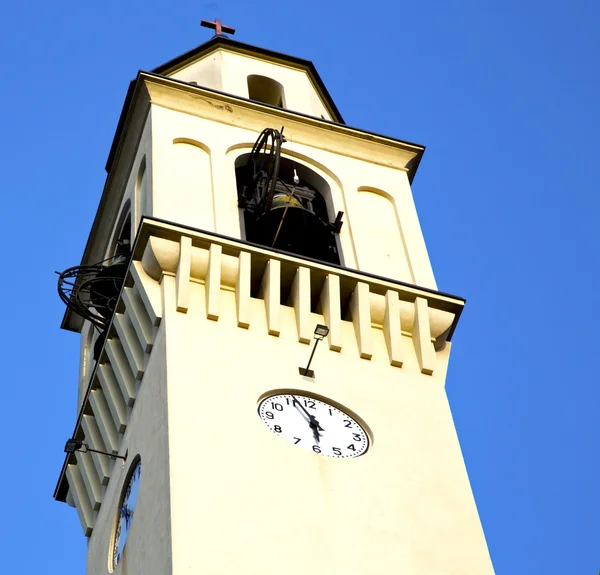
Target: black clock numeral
{"points": [[316, 449], [287, 400], [297, 440], [348, 423], [351, 446], [277, 428], [356, 437], [337, 450], [277, 406], [330, 412], [310, 404], [269, 415]]}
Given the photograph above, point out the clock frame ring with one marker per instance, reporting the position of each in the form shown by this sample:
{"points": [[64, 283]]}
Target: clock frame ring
{"points": [[314, 422]]}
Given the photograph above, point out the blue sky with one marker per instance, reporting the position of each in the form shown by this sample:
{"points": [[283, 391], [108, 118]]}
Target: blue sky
{"points": [[505, 97]]}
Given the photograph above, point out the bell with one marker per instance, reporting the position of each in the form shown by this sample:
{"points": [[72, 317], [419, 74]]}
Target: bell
{"points": [[104, 289], [285, 200], [291, 227]]}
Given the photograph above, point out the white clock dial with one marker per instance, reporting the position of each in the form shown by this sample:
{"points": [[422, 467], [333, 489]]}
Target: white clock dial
{"points": [[125, 514], [314, 425]]}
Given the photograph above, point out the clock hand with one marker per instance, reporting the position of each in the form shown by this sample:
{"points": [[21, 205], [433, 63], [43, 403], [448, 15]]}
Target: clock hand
{"points": [[316, 433], [297, 404], [312, 420]]}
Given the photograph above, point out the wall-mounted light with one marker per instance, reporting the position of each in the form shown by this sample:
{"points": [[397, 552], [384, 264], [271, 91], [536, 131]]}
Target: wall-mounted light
{"points": [[74, 445], [321, 331]]}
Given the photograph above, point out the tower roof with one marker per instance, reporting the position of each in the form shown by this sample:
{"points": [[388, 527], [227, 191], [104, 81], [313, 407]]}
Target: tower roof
{"points": [[217, 42]]}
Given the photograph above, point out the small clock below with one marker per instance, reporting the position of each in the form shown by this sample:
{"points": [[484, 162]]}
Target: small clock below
{"points": [[314, 425], [125, 515]]}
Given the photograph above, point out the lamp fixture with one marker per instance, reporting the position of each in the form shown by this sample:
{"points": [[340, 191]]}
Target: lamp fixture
{"points": [[321, 332], [74, 445]]}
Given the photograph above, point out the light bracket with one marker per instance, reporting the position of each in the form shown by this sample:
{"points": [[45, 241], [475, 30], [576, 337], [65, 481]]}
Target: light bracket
{"points": [[321, 332], [72, 445]]}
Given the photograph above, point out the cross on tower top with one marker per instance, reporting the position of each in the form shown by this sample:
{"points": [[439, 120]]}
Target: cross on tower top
{"points": [[218, 27]]}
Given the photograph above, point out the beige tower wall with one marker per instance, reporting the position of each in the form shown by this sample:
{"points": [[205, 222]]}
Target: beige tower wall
{"points": [[206, 71], [245, 501], [148, 548]]}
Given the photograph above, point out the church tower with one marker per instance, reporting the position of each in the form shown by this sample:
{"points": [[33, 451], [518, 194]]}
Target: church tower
{"points": [[245, 229]]}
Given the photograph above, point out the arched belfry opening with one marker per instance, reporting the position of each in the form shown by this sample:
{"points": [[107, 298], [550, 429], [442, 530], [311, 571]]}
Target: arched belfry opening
{"points": [[285, 204], [121, 241], [265, 90]]}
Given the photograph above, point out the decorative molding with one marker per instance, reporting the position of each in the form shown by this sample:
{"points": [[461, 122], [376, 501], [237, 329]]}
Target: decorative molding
{"points": [[213, 282], [422, 337], [360, 311], [103, 463], [79, 494], [113, 390], [270, 291], [93, 487], [242, 290], [113, 396], [392, 328], [332, 314], [131, 345], [182, 282], [159, 254], [118, 362], [300, 301]]}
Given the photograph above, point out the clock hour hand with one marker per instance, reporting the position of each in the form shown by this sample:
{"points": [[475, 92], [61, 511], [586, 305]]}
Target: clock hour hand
{"points": [[316, 433], [312, 420]]}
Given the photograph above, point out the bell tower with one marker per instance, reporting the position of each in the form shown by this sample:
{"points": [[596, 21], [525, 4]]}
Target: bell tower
{"points": [[240, 213]]}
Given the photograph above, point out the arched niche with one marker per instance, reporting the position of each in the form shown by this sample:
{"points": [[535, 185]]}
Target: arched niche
{"points": [[142, 195], [290, 225], [190, 199], [120, 243], [266, 90], [381, 245]]}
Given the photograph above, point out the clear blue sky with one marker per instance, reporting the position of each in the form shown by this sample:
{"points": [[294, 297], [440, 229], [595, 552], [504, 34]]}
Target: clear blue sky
{"points": [[505, 96]]}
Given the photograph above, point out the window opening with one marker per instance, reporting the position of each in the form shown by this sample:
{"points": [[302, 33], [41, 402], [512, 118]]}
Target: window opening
{"points": [[285, 203], [265, 90]]}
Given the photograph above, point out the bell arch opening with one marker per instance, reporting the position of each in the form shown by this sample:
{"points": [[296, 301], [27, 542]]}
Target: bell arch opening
{"points": [[265, 90], [120, 244], [290, 211]]}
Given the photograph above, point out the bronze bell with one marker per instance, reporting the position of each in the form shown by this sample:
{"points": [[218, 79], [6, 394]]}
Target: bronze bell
{"points": [[286, 200], [291, 225], [104, 289]]}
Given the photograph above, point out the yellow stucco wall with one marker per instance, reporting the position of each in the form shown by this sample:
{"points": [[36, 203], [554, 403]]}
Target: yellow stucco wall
{"points": [[219, 493]]}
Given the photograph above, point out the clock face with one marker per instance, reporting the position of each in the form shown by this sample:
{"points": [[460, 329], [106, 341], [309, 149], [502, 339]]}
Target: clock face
{"points": [[125, 514], [314, 425]]}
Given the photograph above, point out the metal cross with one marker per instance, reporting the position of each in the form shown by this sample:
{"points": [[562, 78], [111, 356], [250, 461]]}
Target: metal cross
{"points": [[218, 27]]}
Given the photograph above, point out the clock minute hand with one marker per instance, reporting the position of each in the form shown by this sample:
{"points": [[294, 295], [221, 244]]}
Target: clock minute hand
{"points": [[312, 420]]}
